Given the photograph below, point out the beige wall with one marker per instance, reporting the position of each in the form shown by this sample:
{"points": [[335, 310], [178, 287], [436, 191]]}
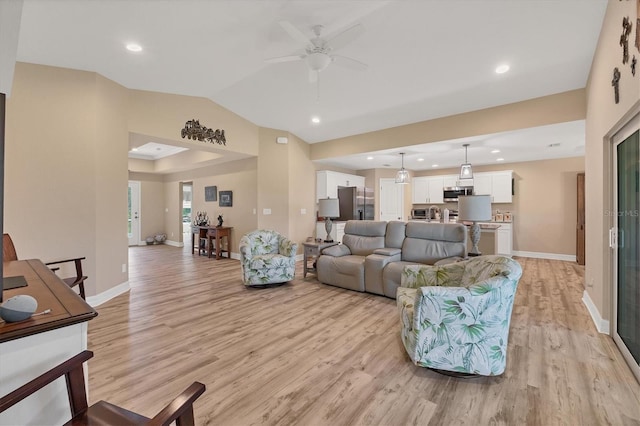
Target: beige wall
{"points": [[544, 204], [558, 108], [238, 176], [604, 117], [63, 134], [302, 192], [163, 115]]}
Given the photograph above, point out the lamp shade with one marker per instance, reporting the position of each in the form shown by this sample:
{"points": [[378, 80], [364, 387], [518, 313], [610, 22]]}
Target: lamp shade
{"points": [[474, 208], [328, 207]]}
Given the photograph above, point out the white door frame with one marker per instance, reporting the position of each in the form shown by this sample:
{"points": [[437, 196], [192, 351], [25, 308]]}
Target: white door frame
{"points": [[134, 237], [627, 130]]}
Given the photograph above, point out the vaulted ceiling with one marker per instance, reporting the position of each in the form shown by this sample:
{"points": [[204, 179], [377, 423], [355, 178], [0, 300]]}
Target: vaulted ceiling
{"points": [[425, 59]]}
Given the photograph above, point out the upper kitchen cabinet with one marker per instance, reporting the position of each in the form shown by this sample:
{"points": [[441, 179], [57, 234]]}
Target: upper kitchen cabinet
{"points": [[327, 183], [427, 190], [496, 184]]}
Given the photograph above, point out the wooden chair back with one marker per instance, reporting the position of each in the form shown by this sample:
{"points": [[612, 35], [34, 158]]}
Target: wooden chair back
{"points": [[8, 249], [179, 410]]}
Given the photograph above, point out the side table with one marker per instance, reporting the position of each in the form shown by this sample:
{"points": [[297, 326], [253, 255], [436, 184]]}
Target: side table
{"points": [[312, 251]]}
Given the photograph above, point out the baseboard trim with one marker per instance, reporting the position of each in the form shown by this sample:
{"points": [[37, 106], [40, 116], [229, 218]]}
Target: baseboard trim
{"points": [[550, 256], [105, 296], [602, 325], [173, 243]]}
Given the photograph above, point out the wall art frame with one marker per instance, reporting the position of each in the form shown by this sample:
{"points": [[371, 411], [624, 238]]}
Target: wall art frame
{"points": [[210, 193], [226, 199]]}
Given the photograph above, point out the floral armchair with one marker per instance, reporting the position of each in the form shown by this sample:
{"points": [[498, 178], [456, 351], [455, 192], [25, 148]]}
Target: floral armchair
{"points": [[267, 257], [456, 317]]}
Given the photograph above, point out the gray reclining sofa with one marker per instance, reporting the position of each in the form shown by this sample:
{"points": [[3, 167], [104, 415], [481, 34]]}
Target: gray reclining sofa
{"points": [[374, 253]]}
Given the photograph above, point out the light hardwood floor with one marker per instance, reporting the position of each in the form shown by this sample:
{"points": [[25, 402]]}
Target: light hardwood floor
{"points": [[311, 354]]}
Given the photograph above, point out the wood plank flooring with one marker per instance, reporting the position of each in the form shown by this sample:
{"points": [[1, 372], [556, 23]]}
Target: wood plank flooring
{"points": [[310, 354]]}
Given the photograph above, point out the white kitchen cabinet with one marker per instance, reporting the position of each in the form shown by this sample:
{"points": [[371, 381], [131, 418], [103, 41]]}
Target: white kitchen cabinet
{"points": [[496, 184], [419, 190], [501, 189], [503, 238], [450, 181], [427, 190], [327, 183]]}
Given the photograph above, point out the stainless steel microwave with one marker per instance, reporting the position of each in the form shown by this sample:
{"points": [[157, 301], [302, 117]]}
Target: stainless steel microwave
{"points": [[451, 193]]}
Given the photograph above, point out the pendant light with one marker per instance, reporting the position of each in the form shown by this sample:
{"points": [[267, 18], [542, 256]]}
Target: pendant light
{"points": [[465, 169], [402, 177]]}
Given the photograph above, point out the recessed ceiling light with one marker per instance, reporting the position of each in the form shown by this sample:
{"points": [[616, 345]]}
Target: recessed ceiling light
{"points": [[369, 158], [315, 120], [495, 151], [134, 47], [501, 69], [420, 159], [434, 165], [499, 159]]}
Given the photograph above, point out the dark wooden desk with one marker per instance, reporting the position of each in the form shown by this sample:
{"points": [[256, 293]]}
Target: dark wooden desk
{"points": [[51, 292], [210, 234]]}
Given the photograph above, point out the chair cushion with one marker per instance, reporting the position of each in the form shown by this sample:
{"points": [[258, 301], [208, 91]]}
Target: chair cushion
{"points": [[263, 261]]}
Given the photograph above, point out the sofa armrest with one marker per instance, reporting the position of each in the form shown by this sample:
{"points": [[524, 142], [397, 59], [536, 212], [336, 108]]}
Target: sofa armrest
{"points": [[448, 260], [450, 275], [337, 251], [387, 251]]}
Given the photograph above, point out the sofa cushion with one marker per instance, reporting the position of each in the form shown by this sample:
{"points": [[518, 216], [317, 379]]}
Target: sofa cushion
{"points": [[395, 234], [345, 271], [429, 242]]}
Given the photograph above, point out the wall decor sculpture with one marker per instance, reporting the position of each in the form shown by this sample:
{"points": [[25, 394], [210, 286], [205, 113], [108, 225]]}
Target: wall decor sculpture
{"points": [[194, 130], [634, 61], [615, 82], [624, 38]]}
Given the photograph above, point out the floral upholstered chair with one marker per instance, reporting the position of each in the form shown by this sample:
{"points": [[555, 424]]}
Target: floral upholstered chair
{"points": [[456, 317], [267, 258]]}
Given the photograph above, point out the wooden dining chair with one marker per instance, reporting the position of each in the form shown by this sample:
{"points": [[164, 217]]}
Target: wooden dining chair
{"points": [[179, 410], [9, 253]]}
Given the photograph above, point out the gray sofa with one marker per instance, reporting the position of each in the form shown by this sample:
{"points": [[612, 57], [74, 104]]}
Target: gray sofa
{"points": [[374, 253]]}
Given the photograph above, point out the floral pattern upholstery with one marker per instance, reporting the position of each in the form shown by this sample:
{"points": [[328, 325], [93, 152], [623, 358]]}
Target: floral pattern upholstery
{"points": [[267, 257], [456, 317]]}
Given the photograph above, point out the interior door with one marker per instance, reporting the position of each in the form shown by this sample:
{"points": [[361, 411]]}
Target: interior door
{"points": [[391, 200], [133, 228], [625, 242]]}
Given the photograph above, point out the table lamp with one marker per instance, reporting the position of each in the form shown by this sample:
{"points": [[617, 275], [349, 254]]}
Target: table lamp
{"points": [[474, 208], [328, 208]]}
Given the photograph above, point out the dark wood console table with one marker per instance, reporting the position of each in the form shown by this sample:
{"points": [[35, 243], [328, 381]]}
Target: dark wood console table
{"points": [[211, 234]]}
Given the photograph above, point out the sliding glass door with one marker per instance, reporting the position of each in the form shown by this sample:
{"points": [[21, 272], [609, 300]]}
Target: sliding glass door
{"points": [[626, 244]]}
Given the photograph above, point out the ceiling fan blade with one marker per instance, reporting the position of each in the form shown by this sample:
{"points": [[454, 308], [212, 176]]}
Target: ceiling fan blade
{"points": [[347, 62], [313, 76], [288, 58], [294, 32], [345, 37]]}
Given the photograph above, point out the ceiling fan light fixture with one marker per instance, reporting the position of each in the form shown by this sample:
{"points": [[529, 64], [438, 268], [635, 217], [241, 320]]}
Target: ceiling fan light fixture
{"points": [[318, 61], [402, 176]]}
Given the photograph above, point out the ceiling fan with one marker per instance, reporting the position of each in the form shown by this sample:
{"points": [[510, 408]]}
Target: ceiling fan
{"points": [[319, 51]]}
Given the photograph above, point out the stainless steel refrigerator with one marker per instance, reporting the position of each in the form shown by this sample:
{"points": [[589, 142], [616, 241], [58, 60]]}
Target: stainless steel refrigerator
{"points": [[355, 203]]}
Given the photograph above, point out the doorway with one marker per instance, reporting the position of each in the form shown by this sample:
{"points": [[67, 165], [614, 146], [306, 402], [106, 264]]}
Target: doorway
{"points": [[625, 242], [391, 200], [187, 199], [580, 224], [133, 228]]}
